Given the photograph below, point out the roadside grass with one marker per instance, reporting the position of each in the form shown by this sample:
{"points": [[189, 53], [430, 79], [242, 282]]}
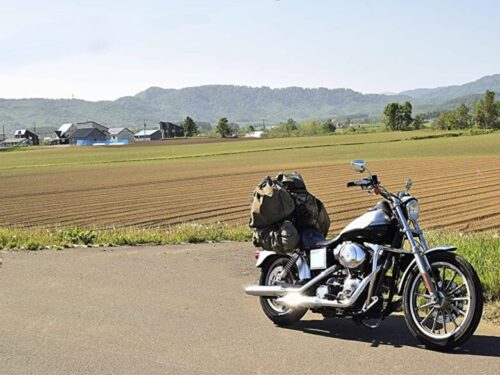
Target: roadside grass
{"points": [[39, 238], [482, 249]]}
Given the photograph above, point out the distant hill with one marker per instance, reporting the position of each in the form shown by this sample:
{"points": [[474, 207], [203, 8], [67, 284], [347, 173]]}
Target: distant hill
{"points": [[447, 93], [238, 103]]}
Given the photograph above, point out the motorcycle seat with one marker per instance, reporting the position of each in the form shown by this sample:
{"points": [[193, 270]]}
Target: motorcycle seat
{"points": [[311, 238]]}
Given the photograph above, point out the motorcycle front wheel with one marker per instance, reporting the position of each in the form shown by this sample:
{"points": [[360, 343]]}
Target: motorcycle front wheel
{"points": [[279, 314], [448, 323]]}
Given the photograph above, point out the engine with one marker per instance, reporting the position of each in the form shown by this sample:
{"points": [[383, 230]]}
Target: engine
{"points": [[352, 256]]}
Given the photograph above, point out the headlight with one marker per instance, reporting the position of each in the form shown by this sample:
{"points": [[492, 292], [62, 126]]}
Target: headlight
{"points": [[413, 209]]}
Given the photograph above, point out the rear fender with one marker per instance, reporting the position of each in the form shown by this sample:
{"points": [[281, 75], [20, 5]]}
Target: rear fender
{"points": [[412, 264], [266, 256], [263, 255]]}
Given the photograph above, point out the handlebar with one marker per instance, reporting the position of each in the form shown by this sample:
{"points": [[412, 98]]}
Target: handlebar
{"points": [[361, 183], [372, 181]]}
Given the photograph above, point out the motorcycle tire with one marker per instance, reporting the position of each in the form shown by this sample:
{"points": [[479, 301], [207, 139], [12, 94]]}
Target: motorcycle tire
{"points": [[444, 315], [280, 315]]}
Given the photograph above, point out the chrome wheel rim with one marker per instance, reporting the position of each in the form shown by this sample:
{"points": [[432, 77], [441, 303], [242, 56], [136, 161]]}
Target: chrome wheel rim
{"points": [[272, 279], [444, 318]]}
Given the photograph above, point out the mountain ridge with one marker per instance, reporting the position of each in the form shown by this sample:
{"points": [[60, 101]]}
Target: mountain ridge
{"points": [[243, 104]]}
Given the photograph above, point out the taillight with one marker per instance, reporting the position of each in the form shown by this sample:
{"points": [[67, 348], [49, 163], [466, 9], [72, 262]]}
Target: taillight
{"points": [[257, 253]]}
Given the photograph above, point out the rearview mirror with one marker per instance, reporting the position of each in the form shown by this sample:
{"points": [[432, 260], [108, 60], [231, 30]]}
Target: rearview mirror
{"points": [[358, 165], [409, 183]]}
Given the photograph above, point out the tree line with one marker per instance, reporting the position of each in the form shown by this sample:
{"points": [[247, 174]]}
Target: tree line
{"points": [[484, 114], [223, 127]]}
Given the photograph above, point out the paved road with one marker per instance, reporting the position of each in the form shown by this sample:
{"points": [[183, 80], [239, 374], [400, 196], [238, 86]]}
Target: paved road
{"points": [[182, 310]]}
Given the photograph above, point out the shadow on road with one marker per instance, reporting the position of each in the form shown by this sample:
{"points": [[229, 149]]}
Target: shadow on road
{"points": [[393, 332]]}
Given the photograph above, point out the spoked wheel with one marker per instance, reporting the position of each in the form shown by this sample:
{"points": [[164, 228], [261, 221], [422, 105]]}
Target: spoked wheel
{"points": [[279, 314], [446, 322]]}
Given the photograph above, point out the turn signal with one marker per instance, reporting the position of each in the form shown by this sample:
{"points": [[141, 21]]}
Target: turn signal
{"points": [[257, 253]]}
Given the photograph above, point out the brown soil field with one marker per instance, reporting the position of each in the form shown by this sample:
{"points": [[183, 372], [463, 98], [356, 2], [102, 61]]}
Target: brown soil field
{"points": [[455, 193]]}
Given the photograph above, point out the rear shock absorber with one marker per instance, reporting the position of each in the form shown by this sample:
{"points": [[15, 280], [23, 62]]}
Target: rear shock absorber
{"points": [[288, 266]]}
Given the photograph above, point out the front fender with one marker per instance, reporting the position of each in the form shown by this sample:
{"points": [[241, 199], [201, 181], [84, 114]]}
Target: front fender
{"points": [[412, 264]]}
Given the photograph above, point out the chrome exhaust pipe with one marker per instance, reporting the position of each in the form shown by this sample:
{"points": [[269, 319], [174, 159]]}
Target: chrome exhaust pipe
{"points": [[278, 291], [269, 290], [298, 300]]}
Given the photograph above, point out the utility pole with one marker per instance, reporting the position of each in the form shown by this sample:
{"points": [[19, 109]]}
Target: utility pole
{"points": [[3, 132], [263, 125], [144, 134], [34, 127]]}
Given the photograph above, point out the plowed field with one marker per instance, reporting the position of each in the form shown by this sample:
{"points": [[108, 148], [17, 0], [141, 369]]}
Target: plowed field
{"points": [[456, 180]]}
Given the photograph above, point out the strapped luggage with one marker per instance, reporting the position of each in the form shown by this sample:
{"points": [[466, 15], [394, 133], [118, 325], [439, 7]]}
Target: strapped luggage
{"points": [[271, 204], [309, 210], [282, 237], [282, 207]]}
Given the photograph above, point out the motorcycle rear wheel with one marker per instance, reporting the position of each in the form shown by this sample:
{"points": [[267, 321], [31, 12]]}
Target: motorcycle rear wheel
{"points": [[445, 325], [280, 315]]}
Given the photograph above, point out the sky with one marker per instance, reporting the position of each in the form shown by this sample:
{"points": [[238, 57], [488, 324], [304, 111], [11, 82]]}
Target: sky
{"points": [[102, 50]]}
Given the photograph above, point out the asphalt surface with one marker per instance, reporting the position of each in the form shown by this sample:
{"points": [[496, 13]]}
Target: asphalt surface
{"points": [[182, 310]]}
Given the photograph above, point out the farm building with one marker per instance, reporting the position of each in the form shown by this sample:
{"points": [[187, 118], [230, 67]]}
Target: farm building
{"points": [[91, 125], [119, 134], [64, 131], [87, 136], [171, 130], [148, 135], [33, 139], [9, 142]]}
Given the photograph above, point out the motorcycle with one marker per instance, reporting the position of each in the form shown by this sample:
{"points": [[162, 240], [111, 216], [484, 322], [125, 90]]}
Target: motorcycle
{"points": [[366, 273]]}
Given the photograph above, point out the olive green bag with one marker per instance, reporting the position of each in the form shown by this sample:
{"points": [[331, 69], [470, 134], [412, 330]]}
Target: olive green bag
{"points": [[271, 204], [309, 210], [282, 237]]}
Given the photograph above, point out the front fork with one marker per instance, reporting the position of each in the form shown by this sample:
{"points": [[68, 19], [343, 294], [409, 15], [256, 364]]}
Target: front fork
{"points": [[421, 260]]}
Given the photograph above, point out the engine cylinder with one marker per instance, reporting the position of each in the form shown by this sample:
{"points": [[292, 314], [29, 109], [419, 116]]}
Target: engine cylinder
{"points": [[351, 255]]}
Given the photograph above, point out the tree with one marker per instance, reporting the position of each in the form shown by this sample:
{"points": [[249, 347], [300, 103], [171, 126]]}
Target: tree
{"points": [[309, 128], [190, 127], [461, 118], [251, 129], [222, 128], [328, 127], [418, 122], [235, 128], [397, 116], [285, 129], [486, 111], [290, 125], [405, 116], [441, 122], [391, 116]]}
